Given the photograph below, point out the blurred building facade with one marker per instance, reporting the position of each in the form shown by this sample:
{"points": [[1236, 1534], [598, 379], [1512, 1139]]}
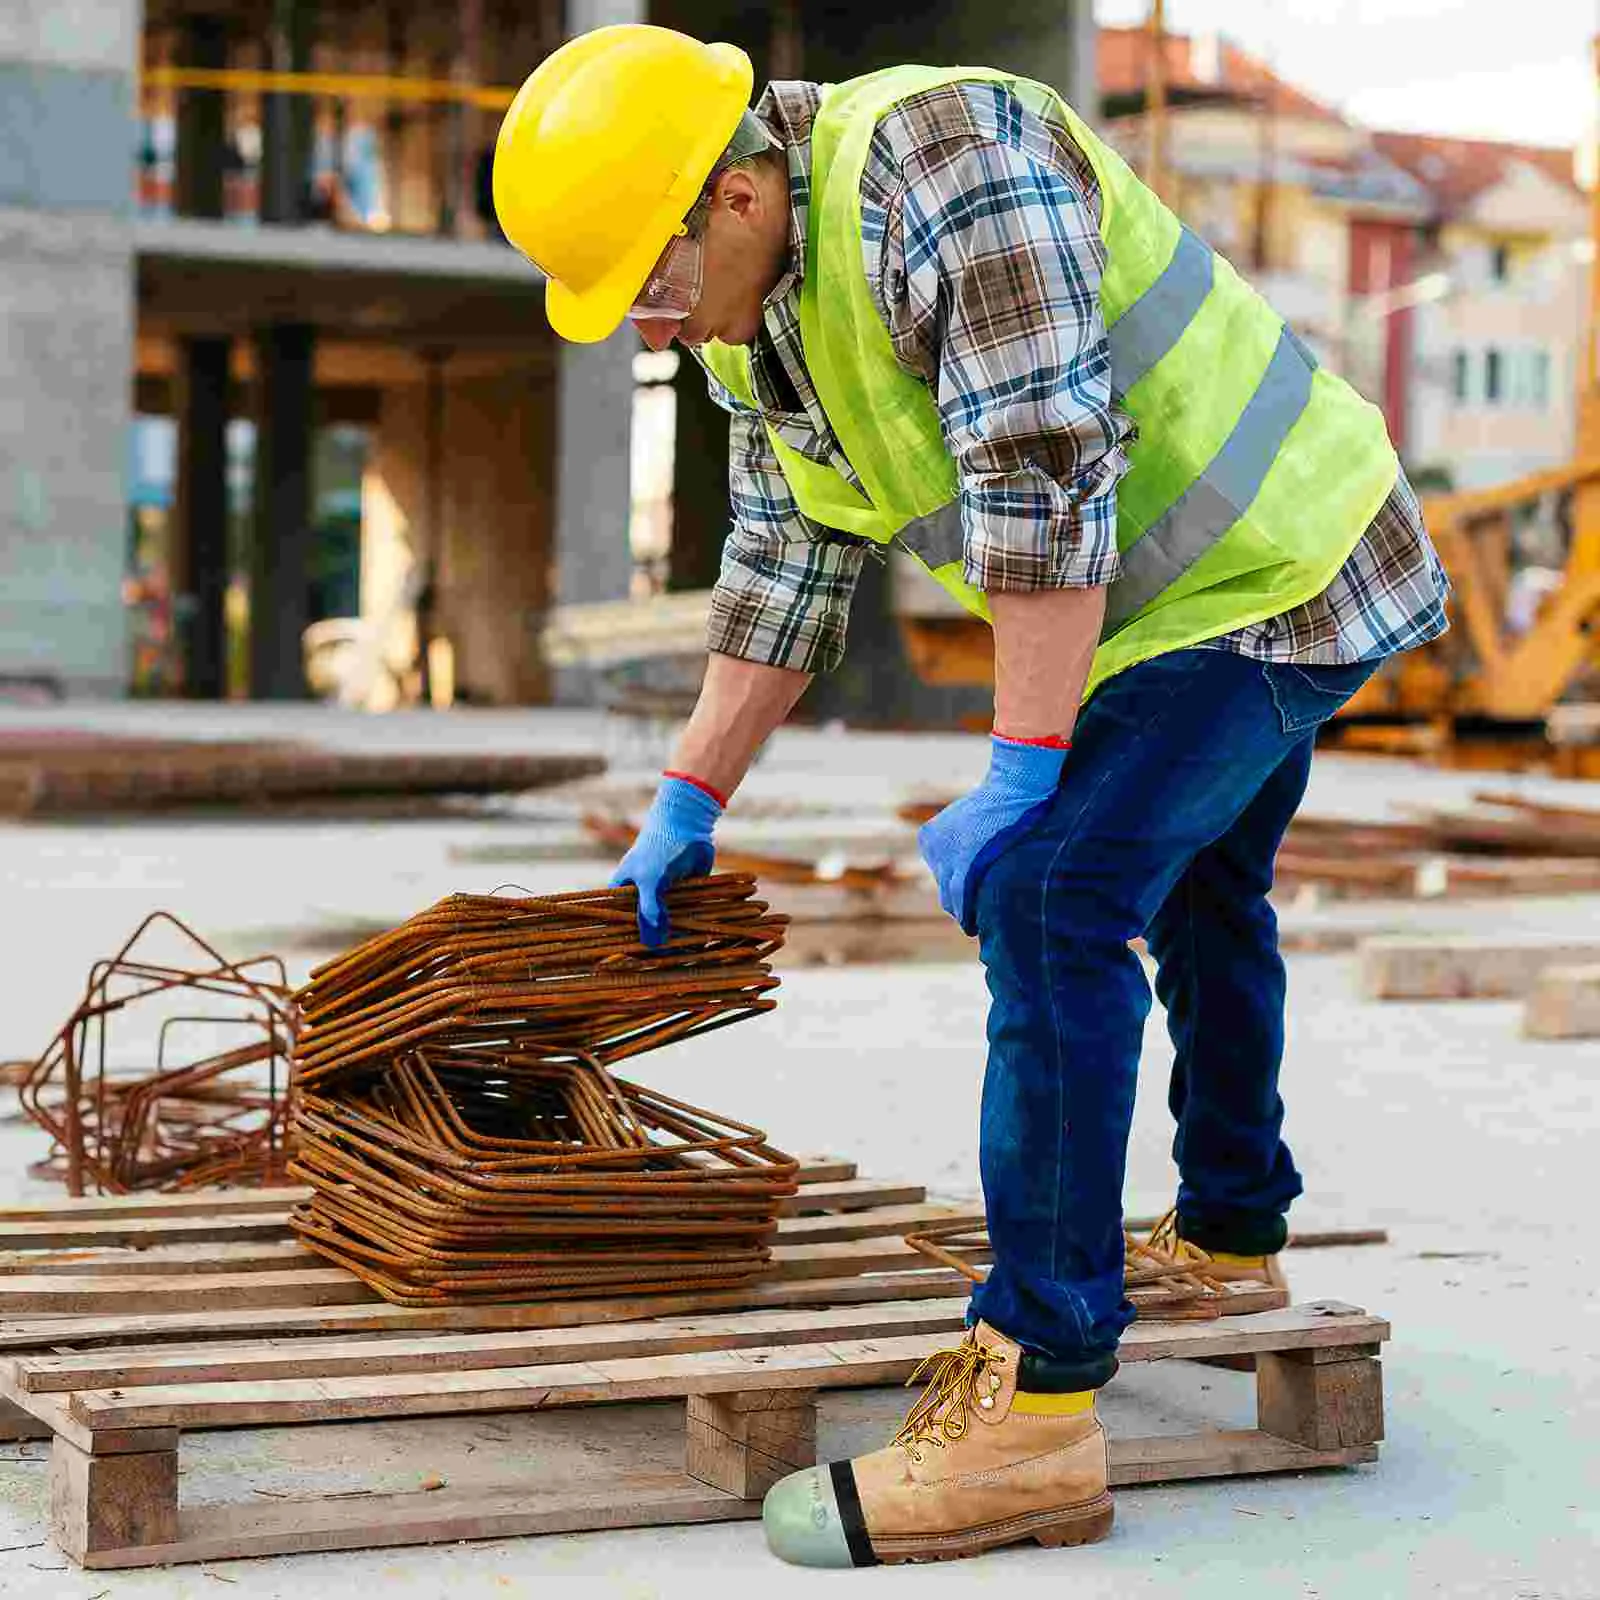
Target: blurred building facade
{"points": [[270, 372], [1446, 278], [1505, 265], [270, 375]]}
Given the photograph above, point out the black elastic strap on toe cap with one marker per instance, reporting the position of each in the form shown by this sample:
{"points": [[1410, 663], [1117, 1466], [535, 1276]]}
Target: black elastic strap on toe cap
{"points": [[850, 1517]]}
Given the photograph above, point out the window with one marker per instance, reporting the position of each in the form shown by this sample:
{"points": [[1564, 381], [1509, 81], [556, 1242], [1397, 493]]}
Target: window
{"points": [[1493, 377], [1463, 376], [1539, 379], [1500, 263]]}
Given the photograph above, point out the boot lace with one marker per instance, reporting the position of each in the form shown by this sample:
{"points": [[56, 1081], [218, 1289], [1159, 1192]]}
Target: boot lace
{"points": [[1164, 1257], [958, 1379]]}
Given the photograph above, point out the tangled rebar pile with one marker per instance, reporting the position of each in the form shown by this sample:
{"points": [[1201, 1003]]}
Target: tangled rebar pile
{"points": [[460, 1128], [213, 1106], [1163, 1286]]}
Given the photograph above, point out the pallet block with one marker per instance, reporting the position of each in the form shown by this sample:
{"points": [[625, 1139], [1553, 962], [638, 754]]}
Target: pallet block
{"points": [[1564, 1004]]}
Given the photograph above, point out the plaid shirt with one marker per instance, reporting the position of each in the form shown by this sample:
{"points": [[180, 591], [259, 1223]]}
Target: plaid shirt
{"points": [[981, 247]]}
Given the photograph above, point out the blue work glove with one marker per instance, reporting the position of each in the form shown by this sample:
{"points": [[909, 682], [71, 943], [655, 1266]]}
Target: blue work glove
{"points": [[970, 833], [674, 843]]}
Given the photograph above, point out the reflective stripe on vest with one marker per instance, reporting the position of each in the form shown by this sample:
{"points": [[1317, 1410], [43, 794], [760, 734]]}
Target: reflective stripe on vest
{"points": [[1218, 497], [938, 538], [1154, 323]]}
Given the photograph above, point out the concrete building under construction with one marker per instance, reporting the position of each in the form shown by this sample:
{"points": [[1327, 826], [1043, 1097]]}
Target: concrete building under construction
{"points": [[277, 391]]}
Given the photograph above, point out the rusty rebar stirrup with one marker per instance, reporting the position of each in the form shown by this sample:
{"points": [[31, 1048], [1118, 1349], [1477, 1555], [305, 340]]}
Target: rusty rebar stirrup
{"points": [[461, 1130], [220, 1119]]}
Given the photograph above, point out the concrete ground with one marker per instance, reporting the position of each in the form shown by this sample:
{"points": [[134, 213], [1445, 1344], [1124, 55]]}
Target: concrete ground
{"points": [[1470, 1144]]}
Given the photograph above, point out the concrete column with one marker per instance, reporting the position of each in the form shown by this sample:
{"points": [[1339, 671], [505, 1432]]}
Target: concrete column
{"points": [[485, 526], [200, 541], [200, 547], [280, 597], [594, 401], [202, 122], [286, 125], [67, 141]]}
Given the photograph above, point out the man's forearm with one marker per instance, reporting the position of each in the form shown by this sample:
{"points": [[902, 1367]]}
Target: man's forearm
{"points": [[1044, 643], [740, 704]]}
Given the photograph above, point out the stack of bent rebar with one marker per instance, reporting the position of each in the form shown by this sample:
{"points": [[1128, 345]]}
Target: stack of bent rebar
{"points": [[461, 1129]]}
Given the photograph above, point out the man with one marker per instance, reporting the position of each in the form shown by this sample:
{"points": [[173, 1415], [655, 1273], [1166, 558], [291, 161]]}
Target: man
{"points": [[945, 316]]}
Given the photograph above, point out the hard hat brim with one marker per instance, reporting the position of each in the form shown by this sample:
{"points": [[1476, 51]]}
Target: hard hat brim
{"points": [[597, 312]]}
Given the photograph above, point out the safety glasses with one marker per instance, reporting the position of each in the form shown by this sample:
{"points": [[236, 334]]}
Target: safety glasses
{"points": [[672, 290]]}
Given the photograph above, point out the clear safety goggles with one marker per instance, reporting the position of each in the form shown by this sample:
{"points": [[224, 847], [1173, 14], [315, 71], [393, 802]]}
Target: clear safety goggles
{"points": [[672, 290]]}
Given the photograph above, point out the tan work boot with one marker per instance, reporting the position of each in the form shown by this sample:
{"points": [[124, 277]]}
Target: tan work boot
{"points": [[977, 1464], [1267, 1270]]}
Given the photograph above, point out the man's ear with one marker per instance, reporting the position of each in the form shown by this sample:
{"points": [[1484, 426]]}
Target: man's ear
{"points": [[738, 191]]}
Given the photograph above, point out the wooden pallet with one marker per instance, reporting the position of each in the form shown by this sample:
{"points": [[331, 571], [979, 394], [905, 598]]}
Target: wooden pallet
{"points": [[127, 1323]]}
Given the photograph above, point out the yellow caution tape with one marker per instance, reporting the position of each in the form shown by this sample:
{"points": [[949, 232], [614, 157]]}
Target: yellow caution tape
{"points": [[340, 85]]}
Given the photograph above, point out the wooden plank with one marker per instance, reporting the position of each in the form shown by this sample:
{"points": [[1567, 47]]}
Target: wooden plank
{"points": [[856, 1194], [296, 1527], [635, 1499], [70, 1294], [200, 1202], [51, 1411], [93, 1231], [270, 1255], [380, 1317], [241, 1214], [1438, 968], [322, 1358], [1220, 1453], [67, 1295], [831, 1364], [1564, 1003], [845, 1363], [17, 1424], [878, 1222], [282, 1254]]}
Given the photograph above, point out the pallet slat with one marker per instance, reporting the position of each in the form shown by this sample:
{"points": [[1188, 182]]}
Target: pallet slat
{"points": [[631, 1500], [279, 1254], [380, 1317], [321, 1358], [828, 1183], [820, 1364]]}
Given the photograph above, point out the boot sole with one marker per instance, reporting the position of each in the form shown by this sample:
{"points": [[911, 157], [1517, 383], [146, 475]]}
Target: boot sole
{"points": [[1054, 1529]]}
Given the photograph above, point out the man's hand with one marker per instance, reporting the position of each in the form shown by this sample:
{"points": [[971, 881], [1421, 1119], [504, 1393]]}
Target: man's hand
{"points": [[969, 834], [674, 843]]}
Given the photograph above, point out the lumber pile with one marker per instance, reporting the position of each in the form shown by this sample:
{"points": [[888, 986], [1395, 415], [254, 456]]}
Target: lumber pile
{"points": [[1502, 845], [73, 771], [462, 1132]]}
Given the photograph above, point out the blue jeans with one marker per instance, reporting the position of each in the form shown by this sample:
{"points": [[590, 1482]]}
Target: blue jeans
{"points": [[1183, 776]]}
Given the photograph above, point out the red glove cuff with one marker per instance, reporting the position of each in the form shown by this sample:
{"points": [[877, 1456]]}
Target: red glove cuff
{"points": [[701, 785], [1054, 742]]}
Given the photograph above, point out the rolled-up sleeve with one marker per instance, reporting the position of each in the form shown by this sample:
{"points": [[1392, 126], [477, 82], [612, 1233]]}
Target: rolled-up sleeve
{"points": [[995, 302], [783, 595]]}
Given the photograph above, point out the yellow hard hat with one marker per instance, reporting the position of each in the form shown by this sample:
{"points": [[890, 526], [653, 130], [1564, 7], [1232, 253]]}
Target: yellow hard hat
{"points": [[603, 154]]}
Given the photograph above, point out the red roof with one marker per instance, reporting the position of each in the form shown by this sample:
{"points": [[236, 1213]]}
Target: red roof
{"points": [[1459, 170], [1123, 62]]}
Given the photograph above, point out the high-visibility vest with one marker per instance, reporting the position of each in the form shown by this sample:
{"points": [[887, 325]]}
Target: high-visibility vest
{"points": [[1254, 474]]}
